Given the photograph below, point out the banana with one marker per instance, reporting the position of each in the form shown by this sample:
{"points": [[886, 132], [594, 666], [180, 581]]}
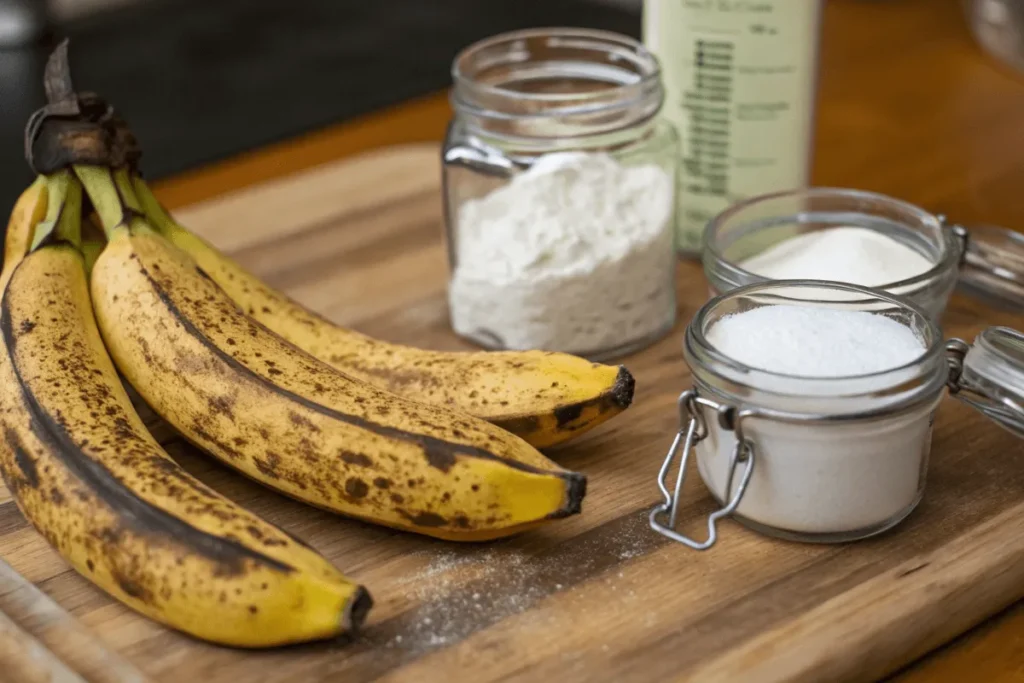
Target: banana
{"points": [[29, 210], [545, 398], [85, 472], [280, 416]]}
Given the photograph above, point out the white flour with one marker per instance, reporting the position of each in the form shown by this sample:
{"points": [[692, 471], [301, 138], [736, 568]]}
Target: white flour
{"points": [[850, 254], [574, 254]]}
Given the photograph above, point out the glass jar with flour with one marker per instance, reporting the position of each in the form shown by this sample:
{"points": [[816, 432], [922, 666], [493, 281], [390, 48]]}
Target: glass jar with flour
{"points": [[862, 238], [559, 189], [812, 406]]}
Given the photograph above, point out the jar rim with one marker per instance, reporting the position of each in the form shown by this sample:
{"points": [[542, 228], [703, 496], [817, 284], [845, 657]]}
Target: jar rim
{"points": [[950, 252], [619, 79], [698, 347], [645, 57]]}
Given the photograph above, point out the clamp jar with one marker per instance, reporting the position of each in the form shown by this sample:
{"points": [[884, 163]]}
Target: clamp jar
{"points": [[825, 459], [986, 261], [559, 193]]}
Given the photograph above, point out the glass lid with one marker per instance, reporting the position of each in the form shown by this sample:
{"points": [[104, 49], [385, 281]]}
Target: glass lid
{"points": [[992, 375], [993, 265]]}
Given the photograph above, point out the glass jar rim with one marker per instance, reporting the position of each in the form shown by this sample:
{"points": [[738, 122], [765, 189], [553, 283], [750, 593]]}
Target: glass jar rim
{"points": [[950, 251], [472, 95], [699, 348]]}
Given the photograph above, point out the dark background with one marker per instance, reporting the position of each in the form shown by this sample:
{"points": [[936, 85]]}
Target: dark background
{"points": [[201, 80]]}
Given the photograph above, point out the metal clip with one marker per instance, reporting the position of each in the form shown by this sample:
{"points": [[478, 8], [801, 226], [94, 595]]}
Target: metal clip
{"points": [[693, 429], [956, 351]]}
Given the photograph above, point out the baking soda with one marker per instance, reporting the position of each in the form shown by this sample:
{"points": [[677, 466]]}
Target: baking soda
{"points": [[858, 256]]}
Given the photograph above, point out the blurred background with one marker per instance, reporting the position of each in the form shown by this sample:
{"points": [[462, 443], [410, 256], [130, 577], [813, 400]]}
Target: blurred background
{"points": [[201, 80]]}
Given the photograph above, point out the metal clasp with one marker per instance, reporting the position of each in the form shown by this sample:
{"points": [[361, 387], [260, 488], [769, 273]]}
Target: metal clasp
{"points": [[693, 429]]}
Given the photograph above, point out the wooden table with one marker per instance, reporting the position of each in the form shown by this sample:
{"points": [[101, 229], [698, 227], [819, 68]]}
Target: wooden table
{"points": [[909, 107]]}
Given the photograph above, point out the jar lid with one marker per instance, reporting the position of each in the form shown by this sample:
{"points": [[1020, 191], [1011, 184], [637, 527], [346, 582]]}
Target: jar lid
{"points": [[989, 375], [993, 265]]}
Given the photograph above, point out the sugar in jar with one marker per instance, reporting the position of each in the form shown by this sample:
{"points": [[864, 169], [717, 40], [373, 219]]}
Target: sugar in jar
{"points": [[862, 238], [812, 405]]}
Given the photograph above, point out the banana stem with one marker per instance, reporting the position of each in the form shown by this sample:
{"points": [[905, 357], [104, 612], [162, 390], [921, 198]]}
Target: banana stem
{"points": [[123, 182], [155, 212], [91, 250], [69, 227], [103, 191], [57, 191]]}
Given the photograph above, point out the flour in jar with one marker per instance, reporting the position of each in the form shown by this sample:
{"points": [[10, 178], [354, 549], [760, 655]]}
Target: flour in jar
{"points": [[574, 254]]}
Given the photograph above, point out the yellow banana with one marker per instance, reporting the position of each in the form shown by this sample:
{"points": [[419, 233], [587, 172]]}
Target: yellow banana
{"points": [[28, 212], [86, 473], [268, 409], [545, 398]]}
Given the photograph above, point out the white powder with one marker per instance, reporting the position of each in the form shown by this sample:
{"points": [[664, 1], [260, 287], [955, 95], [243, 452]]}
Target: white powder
{"points": [[856, 477], [845, 254], [574, 254], [815, 342]]}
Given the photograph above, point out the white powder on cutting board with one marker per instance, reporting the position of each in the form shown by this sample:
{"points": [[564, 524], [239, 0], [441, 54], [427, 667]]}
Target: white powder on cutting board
{"points": [[573, 254], [850, 254]]}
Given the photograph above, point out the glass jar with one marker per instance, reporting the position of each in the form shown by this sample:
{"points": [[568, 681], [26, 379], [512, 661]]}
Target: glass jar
{"points": [[559, 192], [826, 459], [988, 261]]}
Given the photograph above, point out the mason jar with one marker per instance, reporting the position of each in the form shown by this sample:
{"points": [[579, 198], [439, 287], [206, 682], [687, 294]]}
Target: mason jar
{"points": [[825, 459], [559, 192], [985, 260]]}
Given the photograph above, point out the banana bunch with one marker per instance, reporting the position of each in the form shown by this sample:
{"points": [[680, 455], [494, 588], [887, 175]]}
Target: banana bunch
{"points": [[85, 472], [439, 444]]}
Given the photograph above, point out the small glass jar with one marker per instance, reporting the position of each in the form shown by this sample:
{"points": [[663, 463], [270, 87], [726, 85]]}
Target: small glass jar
{"points": [[826, 459], [585, 268], [987, 261]]}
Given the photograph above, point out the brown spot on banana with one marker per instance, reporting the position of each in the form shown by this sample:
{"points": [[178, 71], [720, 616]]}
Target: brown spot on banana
{"points": [[24, 460], [300, 421], [356, 488], [426, 519], [133, 588], [357, 459]]}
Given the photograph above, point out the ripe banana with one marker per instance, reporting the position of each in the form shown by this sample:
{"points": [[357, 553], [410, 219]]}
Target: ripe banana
{"points": [[545, 398], [86, 473], [268, 409], [28, 212]]}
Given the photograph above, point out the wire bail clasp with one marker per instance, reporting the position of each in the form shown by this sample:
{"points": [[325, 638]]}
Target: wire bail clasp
{"points": [[693, 429]]}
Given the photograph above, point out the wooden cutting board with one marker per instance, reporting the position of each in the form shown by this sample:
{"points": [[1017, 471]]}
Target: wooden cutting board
{"points": [[594, 597]]}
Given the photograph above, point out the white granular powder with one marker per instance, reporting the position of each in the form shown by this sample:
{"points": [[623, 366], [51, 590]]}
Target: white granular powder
{"points": [[850, 254], [810, 341], [575, 254], [854, 477]]}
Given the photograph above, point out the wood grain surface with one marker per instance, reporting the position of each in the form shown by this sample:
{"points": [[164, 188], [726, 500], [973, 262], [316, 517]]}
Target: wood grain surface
{"points": [[597, 596]]}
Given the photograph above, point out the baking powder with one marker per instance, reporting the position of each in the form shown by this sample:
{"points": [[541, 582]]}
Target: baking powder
{"points": [[859, 256], [855, 476], [574, 254]]}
